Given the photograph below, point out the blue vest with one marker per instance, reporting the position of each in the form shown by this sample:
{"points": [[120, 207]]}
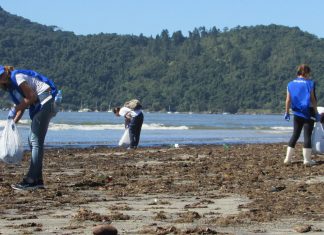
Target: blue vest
{"points": [[33, 108], [300, 92]]}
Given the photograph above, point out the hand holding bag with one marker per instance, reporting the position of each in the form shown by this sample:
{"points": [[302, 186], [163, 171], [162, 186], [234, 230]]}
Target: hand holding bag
{"points": [[11, 149]]}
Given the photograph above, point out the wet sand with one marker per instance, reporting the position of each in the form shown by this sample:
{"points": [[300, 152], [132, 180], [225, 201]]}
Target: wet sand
{"points": [[237, 189]]}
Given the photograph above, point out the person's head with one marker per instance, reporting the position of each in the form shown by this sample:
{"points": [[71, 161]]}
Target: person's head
{"points": [[5, 72], [116, 111], [2, 73], [303, 70]]}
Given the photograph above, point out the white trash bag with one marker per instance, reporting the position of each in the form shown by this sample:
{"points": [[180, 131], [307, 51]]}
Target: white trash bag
{"points": [[318, 138], [124, 140], [320, 109], [11, 149]]}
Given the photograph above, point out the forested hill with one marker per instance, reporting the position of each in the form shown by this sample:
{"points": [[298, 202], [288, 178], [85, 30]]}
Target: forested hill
{"points": [[210, 70]]}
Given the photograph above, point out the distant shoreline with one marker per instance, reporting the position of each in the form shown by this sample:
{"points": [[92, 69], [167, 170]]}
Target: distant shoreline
{"points": [[249, 112], [156, 146]]}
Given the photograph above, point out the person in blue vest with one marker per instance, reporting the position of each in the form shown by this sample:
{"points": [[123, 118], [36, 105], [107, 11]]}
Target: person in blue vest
{"points": [[29, 89], [301, 99]]}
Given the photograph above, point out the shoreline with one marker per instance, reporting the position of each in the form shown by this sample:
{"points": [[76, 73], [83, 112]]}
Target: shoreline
{"points": [[182, 145], [237, 189]]}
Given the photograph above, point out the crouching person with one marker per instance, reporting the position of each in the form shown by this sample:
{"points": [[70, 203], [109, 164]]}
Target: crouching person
{"points": [[29, 89], [134, 117]]}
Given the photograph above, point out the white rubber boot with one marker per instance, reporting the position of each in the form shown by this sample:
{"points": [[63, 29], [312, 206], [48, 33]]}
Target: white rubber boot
{"points": [[289, 155], [307, 153]]}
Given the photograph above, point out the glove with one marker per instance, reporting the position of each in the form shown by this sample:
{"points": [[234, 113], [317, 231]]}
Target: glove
{"points": [[287, 117], [12, 113]]}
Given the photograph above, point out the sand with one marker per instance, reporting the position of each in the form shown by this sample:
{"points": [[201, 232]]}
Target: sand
{"points": [[236, 189]]}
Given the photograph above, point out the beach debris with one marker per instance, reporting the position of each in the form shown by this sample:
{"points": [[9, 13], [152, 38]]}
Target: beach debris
{"points": [[109, 178], [119, 216], [200, 204], [28, 225], [155, 202], [188, 217], [199, 230], [90, 183], [160, 216], [84, 214], [167, 230], [303, 228], [277, 188], [105, 229], [175, 178], [226, 147], [59, 194], [259, 231], [176, 145]]}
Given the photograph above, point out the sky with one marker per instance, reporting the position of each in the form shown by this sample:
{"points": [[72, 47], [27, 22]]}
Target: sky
{"points": [[150, 17]]}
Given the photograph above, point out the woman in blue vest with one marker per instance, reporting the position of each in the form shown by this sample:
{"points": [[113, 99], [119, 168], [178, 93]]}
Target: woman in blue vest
{"points": [[302, 100], [29, 89]]}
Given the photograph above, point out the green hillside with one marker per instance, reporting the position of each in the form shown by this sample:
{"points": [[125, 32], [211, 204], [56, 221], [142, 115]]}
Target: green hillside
{"points": [[211, 70]]}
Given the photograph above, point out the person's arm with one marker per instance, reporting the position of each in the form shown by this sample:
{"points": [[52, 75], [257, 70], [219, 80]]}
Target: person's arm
{"points": [[18, 116], [314, 101], [30, 98], [128, 115], [288, 102], [128, 119]]}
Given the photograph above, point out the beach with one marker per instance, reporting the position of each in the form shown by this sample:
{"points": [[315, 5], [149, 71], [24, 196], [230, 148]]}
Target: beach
{"points": [[203, 189]]}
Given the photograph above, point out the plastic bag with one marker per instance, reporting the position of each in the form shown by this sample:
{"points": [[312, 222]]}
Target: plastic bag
{"points": [[11, 149], [318, 138], [124, 140]]}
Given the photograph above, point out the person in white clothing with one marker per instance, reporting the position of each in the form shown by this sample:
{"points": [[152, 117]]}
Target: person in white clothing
{"points": [[31, 90], [133, 120]]}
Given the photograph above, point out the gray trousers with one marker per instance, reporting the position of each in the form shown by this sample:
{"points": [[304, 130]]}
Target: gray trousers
{"points": [[36, 139]]}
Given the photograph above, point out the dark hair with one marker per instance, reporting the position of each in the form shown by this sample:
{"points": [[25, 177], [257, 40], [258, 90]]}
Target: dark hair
{"points": [[4, 87], [7, 71], [303, 70], [116, 110]]}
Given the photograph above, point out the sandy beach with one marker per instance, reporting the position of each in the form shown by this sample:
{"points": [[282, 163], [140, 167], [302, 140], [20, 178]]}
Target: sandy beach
{"points": [[235, 189]]}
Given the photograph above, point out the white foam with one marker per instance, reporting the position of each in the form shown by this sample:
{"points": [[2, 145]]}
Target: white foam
{"points": [[21, 122], [94, 127], [282, 128], [97, 127], [156, 126], [60, 127]]}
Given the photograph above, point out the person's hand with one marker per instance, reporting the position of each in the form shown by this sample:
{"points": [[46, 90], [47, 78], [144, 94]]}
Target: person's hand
{"points": [[12, 113], [287, 117]]}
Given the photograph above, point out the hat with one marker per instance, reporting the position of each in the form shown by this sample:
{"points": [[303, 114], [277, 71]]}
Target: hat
{"points": [[2, 69]]}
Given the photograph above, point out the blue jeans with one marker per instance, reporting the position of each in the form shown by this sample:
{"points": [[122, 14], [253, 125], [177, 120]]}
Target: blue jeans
{"points": [[36, 139], [135, 127]]}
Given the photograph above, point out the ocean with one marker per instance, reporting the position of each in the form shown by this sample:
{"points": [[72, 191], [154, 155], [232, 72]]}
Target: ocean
{"points": [[85, 129]]}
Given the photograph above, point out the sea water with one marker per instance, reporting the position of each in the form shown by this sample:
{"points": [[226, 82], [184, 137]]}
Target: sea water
{"points": [[84, 129]]}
